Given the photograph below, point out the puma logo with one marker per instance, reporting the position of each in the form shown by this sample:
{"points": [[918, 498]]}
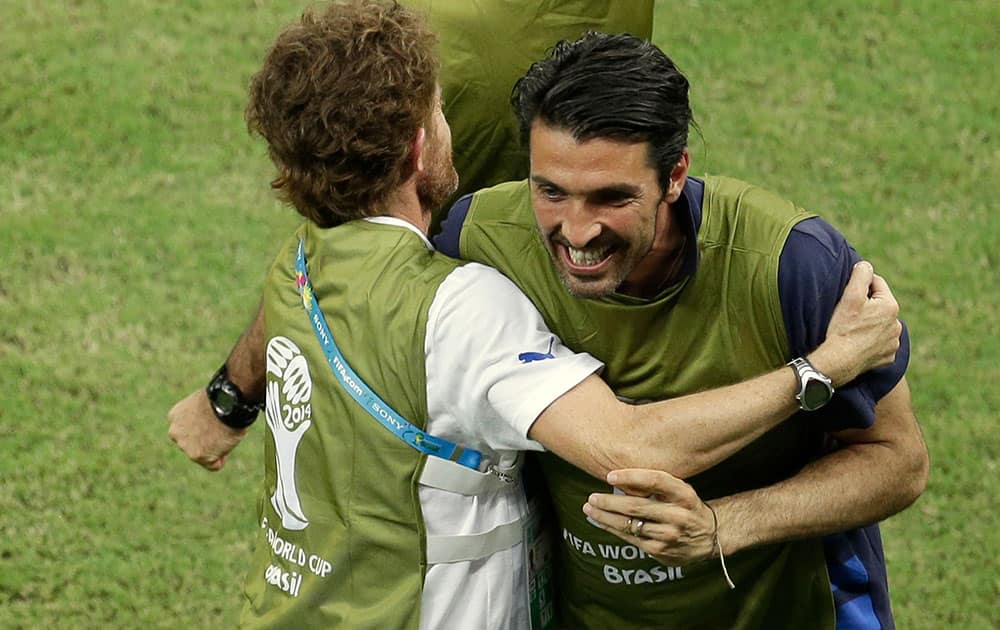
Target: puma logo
{"points": [[528, 357]]}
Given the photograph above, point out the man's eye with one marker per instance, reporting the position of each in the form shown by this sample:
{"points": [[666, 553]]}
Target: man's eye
{"points": [[552, 194], [615, 201]]}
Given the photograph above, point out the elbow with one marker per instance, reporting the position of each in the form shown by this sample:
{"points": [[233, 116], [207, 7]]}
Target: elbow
{"points": [[635, 446], [918, 473], [624, 454], [697, 460], [912, 476], [686, 465], [616, 456]]}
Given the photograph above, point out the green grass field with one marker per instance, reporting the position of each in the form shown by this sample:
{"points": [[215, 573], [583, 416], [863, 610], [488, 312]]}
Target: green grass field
{"points": [[136, 225]]}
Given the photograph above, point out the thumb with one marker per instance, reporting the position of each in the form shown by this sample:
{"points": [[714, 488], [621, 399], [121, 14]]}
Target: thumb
{"points": [[860, 281], [880, 288]]}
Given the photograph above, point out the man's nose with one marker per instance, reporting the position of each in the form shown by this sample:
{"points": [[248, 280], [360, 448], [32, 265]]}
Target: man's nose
{"points": [[579, 227]]}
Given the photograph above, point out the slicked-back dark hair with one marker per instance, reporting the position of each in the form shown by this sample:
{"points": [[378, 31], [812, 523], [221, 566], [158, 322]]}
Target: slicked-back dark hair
{"points": [[618, 87]]}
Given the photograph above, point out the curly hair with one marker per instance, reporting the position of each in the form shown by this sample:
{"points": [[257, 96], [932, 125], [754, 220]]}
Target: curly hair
{"points": [[338, 99]]}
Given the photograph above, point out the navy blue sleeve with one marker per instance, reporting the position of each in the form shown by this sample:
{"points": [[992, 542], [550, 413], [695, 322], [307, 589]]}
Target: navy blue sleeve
{"points": [[814, 268], [447, 240]]}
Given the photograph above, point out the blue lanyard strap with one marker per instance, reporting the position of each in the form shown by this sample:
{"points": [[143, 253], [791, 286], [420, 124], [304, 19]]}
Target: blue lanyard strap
{"points": [[362, 394]]}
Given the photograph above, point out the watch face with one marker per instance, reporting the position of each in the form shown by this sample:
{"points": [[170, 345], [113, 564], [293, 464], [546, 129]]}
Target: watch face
{"points": [[224, 402], [816, 395], [228, 404]]}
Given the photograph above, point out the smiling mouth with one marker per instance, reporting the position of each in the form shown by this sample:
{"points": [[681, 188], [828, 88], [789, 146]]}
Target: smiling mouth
{"points": [[588, 260]]}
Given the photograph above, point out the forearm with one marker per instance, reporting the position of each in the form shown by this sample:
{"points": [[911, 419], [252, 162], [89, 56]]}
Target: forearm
{"points": [[849, 488], [687, 435], [833, 494], [682, 436], [194, 425], [245, 364], [860, 483]]}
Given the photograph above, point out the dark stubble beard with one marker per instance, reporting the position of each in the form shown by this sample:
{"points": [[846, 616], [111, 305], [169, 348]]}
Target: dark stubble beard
{"points": [[596, 288], [589, 289]]}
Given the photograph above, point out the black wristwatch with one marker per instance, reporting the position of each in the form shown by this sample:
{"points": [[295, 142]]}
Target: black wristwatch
{"points": [[231, 407], [815, 388]]}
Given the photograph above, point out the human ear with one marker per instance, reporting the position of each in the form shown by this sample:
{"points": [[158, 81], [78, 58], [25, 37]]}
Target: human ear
{"points": [[678, 176], [417, 150]]}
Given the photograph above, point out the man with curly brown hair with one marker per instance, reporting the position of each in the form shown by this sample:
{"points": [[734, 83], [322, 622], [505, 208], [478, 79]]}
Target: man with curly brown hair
{"points": [[479, 66], [402, 385]]}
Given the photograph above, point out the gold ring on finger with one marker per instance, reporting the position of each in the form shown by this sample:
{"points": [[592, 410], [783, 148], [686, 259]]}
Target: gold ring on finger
{"points": [[638, 528]]}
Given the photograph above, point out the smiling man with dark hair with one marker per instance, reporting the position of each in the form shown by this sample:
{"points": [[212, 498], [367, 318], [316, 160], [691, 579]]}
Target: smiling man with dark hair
{"points": [[679, 284]]}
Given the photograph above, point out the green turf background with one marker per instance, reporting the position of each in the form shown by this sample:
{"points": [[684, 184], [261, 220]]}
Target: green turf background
{"points": [[136, 225]]}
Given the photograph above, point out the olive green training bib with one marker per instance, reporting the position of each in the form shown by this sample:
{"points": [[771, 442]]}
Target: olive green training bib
{"points": [[341, 540]]}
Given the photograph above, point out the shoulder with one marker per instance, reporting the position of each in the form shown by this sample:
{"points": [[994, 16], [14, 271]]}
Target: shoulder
{"points": [[723, 193], [503, 201], [814, 267], [816, 253], [448, 239], [283, 265], [736, 211], [479, 288], [817, 236], [479, 302], [509, 203]]}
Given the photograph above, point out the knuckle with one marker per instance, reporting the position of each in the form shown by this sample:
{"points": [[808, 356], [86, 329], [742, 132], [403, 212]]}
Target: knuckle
{"points": [[598, 501], [657, 547], [689, 501]]}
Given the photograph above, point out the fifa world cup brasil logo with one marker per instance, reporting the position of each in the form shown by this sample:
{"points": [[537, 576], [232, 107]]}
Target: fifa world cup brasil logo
{"points": [[289, 416]]}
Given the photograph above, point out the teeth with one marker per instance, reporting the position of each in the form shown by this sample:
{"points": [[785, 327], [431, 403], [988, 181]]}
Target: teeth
{"points": [[587, 257]]}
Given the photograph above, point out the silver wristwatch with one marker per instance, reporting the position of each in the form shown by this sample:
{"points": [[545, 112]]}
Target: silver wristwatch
{"points": [[815, 388]]}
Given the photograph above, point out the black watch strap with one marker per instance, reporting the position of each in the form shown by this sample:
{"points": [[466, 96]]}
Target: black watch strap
{"points": [[229, 404]]}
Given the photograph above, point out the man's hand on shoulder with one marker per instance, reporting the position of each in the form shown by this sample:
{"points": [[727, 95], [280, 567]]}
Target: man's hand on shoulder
{"points": [[199, 433], [864, 330]]}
